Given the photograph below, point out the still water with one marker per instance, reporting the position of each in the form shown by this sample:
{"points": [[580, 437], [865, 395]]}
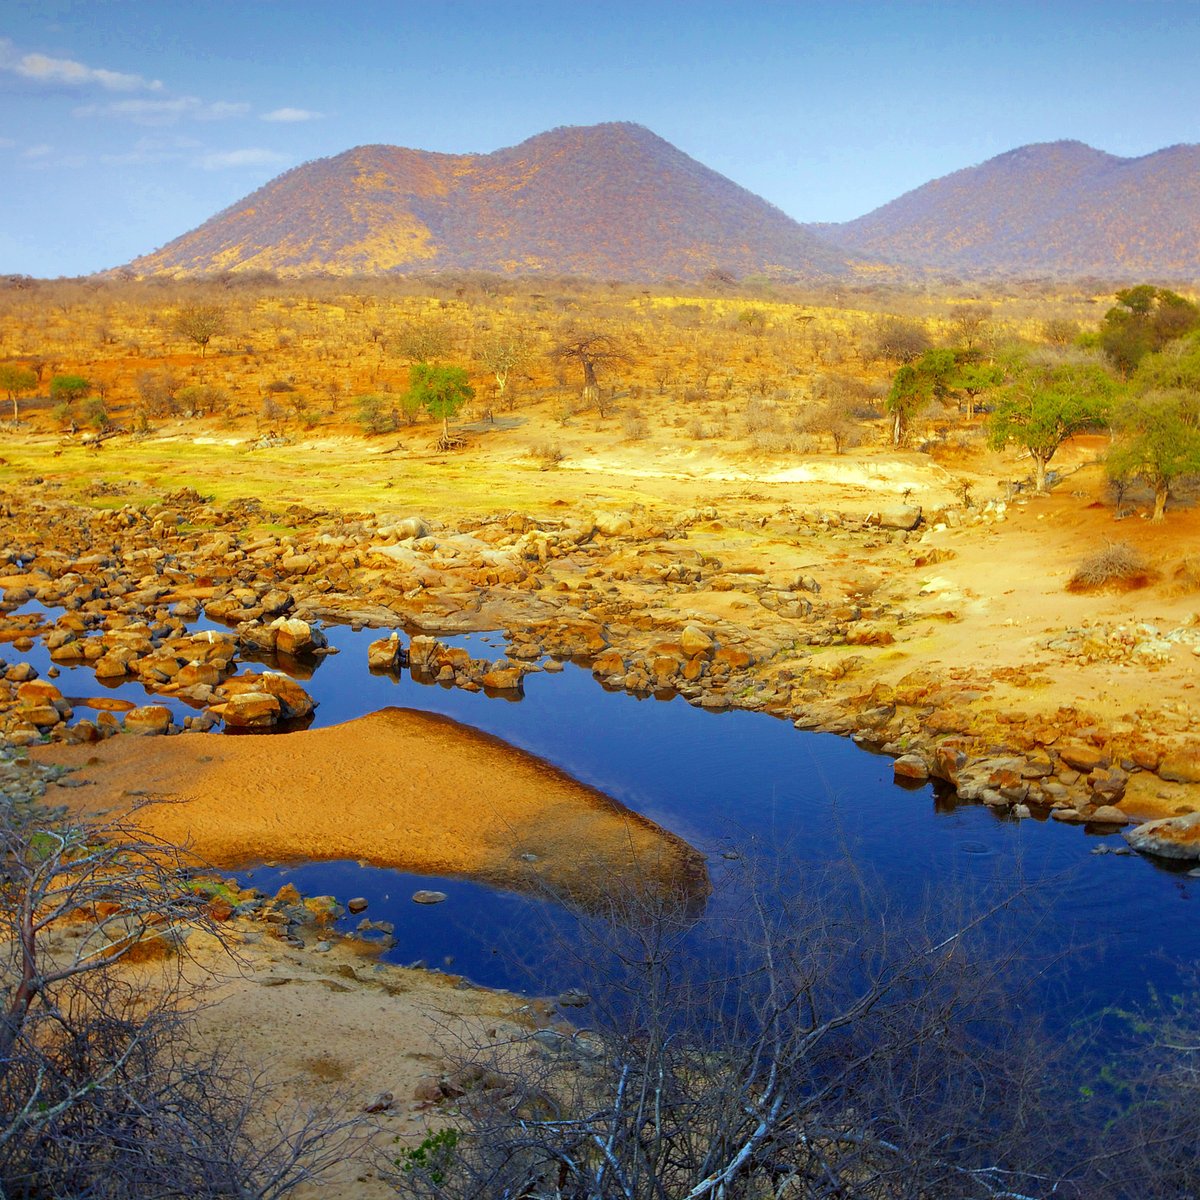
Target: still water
{"points": [[742, 783]]}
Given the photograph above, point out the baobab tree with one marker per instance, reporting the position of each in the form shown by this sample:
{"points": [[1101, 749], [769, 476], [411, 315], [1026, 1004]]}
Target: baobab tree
{"points": [[594, 352]]}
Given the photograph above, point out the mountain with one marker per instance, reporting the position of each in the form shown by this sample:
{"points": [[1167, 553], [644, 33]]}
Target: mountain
{"points": [[609, 200], [1057, 208]]}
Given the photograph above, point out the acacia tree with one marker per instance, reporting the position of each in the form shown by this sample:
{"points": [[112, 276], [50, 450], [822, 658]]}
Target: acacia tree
{"points": [[441, 391], [200, 323], [14, 380], [1143, 321], [915, 386], [1047, 403], [1158, 427]]}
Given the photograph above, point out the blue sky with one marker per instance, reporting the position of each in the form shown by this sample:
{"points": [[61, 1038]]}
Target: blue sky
{"points": [[124, 123]]}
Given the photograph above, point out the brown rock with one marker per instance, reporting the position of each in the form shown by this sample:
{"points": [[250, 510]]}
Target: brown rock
{"points": [[1082, 756], [694, 641], [149, 719], [910, 766], [250, 710], [1180, 766], [385, 654], [502, 679], [1106, 814]]}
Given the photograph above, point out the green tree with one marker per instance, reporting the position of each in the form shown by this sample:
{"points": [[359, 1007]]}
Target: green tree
{"points": [[974, 378], [66, 389], [1143, 321], [1047, 403], [200, 323], [915, 386], [1158, 427], [441, 391], [14, 380]]}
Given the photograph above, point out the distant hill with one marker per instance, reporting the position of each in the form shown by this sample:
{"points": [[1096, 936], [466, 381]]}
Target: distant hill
{"points": [[1058, 209], [609, 200]]}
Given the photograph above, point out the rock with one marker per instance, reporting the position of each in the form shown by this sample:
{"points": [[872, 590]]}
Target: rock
{"points": [[503, 679], [409, 527], [428, 897], [250, 710], [1081, 756], [149, 719], [869, 634], [1107, 814], [613, 524], [253, 636], [694, 641], [294, 701], [295, 637], [381, 1103], [357, 905], [428, 1090], [574, 998], [910, 766], [385, 654], [1170, 837], [906, 516], [1181, 766]]}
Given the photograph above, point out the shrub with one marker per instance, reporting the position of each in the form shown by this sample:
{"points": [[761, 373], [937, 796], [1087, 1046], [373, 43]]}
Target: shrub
{"points": [[1115, 564], [376, 414]]}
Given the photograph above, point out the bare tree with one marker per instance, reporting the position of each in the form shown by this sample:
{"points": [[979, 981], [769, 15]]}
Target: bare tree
{"points": [[594, 352], [505, 355], [200, 323], [101, 1093], [816, 1048]]}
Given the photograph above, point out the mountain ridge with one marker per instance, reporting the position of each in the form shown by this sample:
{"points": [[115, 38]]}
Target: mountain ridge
{"points": [[1058, 208], [608, 200], [615, 200]]}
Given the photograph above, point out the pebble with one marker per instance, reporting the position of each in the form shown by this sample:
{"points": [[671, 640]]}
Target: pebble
{"points": [[357, 904], [428, 897]]}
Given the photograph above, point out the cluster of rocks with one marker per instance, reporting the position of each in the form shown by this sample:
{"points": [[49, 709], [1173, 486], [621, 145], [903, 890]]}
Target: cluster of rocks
{"points": [[618, 591], [1140, 645]]}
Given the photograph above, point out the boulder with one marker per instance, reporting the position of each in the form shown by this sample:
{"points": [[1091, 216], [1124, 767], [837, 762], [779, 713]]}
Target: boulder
{"points": [[694, 641], [1170, 837], [502, 678], [1082, 756], [149, 719], [905, 516], [295, 637], [294, 701], [386, 654], [250, 710], [1106, 814], [910, 766], [1181, 766], [425, 896]]}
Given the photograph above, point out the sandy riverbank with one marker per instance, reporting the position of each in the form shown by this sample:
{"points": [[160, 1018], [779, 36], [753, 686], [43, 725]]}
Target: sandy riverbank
{"points": [[397, 788]]}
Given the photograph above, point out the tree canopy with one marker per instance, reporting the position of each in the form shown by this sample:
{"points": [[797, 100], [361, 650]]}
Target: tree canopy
{"points": [[441, 391], [1143, 321], [14, 380], [1048, 402], [1158, 427]]}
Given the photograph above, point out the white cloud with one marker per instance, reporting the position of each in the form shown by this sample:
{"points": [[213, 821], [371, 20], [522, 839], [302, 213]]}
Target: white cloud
{"points": [[165, 112], [154, 150], [41, 68], [292, 115], [251, 157]]}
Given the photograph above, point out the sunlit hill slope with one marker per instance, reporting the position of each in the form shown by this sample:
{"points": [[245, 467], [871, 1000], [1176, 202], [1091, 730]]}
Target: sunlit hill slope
{"points": [[1058, 209], [604, 200]]}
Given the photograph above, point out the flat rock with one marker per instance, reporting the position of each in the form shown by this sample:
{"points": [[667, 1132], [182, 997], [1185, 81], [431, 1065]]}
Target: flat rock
{"points": [[148, 719], [425, 896], [1170, 837]]}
